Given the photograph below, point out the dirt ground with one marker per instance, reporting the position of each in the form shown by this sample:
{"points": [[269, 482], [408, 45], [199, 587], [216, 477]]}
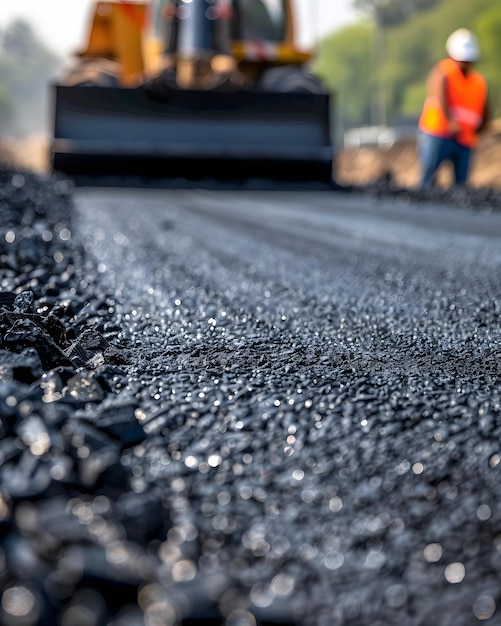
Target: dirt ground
{"points": [[365, 165], [353, 166], [31, 152]]}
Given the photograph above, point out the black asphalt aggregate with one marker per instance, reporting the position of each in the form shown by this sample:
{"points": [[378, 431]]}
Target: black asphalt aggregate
{"points": [[248, 407]]}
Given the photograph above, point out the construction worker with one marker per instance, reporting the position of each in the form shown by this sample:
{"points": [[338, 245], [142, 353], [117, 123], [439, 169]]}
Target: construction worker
{"points": [[454, 111]]}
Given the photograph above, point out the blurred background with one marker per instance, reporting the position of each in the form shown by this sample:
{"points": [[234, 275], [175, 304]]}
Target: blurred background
{"points": [[373, 55], [38, 38]]}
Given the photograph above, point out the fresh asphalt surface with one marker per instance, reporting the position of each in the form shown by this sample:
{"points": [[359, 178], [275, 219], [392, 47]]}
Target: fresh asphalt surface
{"points": [[318, 375]]}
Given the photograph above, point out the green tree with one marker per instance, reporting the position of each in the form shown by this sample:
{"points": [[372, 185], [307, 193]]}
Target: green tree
{"points": [[346, 60], [488, 28], [6, 110], [415, 46], [392, 12], [386, 14], [343, 63], [26, 68]]}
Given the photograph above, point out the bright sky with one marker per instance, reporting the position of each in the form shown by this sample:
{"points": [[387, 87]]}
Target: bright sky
{"points": [[62, 24]]}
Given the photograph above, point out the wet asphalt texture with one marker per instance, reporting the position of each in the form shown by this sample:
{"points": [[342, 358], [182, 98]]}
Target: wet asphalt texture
{"points": [[249, 407]]}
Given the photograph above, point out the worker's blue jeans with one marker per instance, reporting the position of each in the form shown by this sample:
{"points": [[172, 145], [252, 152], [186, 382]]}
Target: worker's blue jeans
{"points": [[434, 150]]}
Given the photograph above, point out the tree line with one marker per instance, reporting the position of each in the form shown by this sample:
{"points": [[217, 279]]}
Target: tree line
{"points": [[377, 67], [26, 67]]}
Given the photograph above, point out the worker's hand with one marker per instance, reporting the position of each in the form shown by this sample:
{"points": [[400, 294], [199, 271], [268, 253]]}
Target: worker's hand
{"points": [[454, 127]]}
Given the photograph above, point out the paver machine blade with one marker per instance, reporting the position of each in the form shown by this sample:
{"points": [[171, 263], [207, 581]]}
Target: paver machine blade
{"points": [[222, 95]]}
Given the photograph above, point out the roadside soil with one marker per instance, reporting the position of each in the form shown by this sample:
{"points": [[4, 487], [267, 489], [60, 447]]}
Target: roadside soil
{"points": [[30, 152], [368, 164], [353, 166]]}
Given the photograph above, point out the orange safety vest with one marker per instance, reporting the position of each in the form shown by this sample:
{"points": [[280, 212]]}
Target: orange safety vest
{"points": [[466, 96]]}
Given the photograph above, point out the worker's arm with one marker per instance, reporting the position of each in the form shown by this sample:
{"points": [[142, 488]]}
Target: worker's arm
{"points": [[486, 116], [437, 88]]}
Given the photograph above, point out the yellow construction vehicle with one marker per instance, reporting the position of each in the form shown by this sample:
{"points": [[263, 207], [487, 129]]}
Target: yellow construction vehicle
{"points": [[192, 88]]}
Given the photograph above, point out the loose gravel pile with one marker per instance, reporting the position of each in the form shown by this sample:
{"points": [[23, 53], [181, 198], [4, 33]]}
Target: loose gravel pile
{"points": [[474, 199], [65, 502], [154, 472]]}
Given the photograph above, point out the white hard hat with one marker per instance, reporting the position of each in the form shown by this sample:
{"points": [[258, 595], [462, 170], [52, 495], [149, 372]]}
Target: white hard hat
{"points": [[462, 45]]}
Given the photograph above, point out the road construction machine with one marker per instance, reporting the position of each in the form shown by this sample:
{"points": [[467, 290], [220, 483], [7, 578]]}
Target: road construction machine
{"points": [[192, 89]]}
